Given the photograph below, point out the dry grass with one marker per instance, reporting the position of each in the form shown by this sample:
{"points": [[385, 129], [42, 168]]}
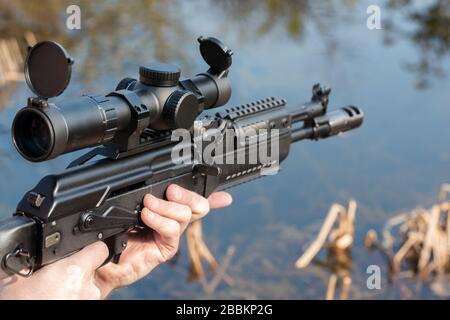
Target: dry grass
{"points": [[337, 235], [199, 253], [11, 62], [419, 240]]}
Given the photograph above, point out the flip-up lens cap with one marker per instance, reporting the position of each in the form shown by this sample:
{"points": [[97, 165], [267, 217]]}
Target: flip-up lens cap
{"points": [[215, 53], [48, 69]]}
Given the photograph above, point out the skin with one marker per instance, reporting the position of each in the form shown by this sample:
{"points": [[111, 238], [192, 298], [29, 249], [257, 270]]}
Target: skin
{"points": [[81, 276]]}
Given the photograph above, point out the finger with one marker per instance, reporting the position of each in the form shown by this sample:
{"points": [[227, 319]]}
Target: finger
{"points": [[91, 257], [219, 200], [168, 229], [171, 210], [198, 204]]}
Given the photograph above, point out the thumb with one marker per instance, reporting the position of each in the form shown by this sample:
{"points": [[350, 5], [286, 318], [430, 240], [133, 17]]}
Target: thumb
{"points": [[219, 200], [91, 257]]}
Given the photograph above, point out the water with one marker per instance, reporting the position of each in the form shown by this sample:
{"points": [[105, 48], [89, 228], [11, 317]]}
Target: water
{"points": [[397, 160]]}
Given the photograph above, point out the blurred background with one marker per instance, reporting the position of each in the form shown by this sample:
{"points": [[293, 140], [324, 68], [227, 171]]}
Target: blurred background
{"points": [[398, 75]]}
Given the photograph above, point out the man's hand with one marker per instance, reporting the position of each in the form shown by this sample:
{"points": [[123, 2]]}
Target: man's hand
{"points": [[168, 219], [70, 278], [78, 276]]}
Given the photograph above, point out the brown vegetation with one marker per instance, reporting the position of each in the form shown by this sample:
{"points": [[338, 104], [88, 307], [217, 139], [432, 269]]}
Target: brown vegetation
{"points": [[199, 252], [338, 241], [422, 240]]}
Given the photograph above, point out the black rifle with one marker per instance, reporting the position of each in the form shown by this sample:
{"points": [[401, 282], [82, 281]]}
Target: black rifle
{"points": [[133, 128]]}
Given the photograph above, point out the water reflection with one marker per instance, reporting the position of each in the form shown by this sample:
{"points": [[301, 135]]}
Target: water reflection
{"points": [[430, 34], [338, 265], [119, 33], [256, 18]]}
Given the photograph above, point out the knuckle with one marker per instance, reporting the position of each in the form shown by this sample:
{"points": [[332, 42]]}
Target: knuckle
{"points": [[154, 204], [145, 215], [169, 253], [202, 206], [173, 251], [186, 196], [171, 228], [148, 200], [186, 213], [176, 193], [176, 228]]}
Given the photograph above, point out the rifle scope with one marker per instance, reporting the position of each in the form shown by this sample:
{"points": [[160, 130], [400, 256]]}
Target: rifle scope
{"points": [[159, 100]]}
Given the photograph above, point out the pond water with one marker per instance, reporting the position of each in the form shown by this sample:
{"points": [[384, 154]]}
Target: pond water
{"points": [[397, 160]]}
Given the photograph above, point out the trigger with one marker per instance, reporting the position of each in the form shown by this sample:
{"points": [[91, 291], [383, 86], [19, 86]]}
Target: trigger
{"points": [[116, 245], [116, 258]]}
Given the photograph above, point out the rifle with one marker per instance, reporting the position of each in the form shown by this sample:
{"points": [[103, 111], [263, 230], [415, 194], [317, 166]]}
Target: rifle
{"points": [[136, 132]]}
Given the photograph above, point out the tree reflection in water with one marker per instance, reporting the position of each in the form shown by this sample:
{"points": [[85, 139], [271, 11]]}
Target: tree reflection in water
{"points": [[430, 35], [115, 35]]}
